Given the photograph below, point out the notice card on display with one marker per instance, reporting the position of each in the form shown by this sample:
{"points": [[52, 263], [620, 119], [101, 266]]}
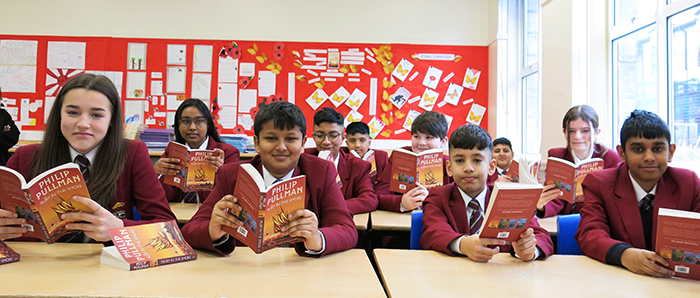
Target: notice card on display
{"points": [[201, 85], [69, 55], [176, 79], [202, 58], [177, 54], [228, 70]]}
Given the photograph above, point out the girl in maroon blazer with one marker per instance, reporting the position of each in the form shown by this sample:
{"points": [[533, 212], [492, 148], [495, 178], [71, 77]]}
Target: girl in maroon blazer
{"points": [[580, 127], [194, 127], [86, 122]]}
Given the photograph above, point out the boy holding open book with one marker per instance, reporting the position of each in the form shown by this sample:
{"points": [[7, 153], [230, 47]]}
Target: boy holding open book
{"points": [[452, 213]]}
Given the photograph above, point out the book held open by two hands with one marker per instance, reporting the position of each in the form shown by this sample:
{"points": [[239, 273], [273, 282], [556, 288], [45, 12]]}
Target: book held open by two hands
{"points": [[510, 210], [409, 168], [196, 174], [44, 199], [265, 210], [567, 176]]}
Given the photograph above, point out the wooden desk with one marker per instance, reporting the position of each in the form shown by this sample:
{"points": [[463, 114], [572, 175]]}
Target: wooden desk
{"points": [[421, 273], [391, 221], [184, 211], [549, 224], [75, 270], [361, 221]]}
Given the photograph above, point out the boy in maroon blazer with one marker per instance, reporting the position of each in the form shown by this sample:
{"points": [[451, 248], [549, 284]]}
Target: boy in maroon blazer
{"points": [[618, 220], [280, 133], [353, 173], [358, 141], [453, 213], [429, 131]]}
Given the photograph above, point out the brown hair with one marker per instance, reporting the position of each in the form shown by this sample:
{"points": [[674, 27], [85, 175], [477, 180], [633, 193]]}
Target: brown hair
{"points": [[111, 155], [585, 113]]}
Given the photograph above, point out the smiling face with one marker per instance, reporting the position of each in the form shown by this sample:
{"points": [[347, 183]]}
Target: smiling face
{"points": [[85, 118], [279, 149], [503, 156], [328, 136], [359, 142], [470, 169], [196, 132], [581, 135], [421, 142], [647, 159]]}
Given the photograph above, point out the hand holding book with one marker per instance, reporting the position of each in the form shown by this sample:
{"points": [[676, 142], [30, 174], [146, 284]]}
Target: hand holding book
{"points": [[96, 224], [10, 225]]}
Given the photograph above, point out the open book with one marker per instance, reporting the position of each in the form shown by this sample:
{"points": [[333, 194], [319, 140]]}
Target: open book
{"points": [[678, 241], [567, 176], [44, 199], [369, 157], [525, 169], [195, 172], [265, 210], [510, 209], [144, 246], [7, 255], [409, 168]]}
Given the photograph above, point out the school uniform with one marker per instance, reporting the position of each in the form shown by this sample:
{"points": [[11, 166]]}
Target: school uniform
{"points": [[561, 206], [137, 185], [391, 201], [354, 182], [175, 194], [445, 219], [611, 219], [7, 138], [323, 197], [381, 159]]}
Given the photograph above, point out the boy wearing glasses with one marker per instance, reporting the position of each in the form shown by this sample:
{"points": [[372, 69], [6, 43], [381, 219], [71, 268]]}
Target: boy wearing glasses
{"points": [[353, 173]]}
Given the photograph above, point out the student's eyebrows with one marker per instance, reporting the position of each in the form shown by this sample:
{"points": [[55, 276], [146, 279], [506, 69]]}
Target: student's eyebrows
{"points": [[637, 144], [97, 109], [659, 143]]}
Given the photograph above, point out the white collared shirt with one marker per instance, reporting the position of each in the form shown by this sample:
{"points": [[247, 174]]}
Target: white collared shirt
{"points": [[90, 155], [500, 171], [639, 192], [578, 160]]}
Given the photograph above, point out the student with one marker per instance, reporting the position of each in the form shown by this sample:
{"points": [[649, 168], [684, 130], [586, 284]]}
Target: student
{"points": [[86, 122], [618, 220], [10, 133], [194, 127], [503, 154], [451, 209], [280, 134], [353, 173], [580, 127], [358, 140], [429, 131]]}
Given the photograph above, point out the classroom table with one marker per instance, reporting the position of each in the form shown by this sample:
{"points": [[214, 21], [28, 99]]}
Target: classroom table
{"points": [[67, 269], [427, 273], [361, 221], [549, 224], [391, 221]]}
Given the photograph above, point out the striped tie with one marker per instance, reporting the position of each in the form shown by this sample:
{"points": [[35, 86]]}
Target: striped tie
{"points": [[191, 197], [647, 202], [83, 164], [475, 220]]}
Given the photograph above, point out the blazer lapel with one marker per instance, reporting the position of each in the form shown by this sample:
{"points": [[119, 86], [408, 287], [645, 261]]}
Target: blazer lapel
{"points": [[628, 208], [343, 171], [457, 207], [667, 196]]}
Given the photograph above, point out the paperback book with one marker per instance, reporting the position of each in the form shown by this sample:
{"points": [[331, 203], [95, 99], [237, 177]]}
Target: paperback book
{"points": [[196, 174], [409, 168]]}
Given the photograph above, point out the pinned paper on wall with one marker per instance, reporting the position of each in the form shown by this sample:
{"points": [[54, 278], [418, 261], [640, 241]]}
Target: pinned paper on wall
{"points": [[267, 83], [427, 101], [201, 85], [172, 102], [454, 92], [18, 52], [202, 58], [356, 99], [400, 97], [17, 78], [69, 55], [247, 99], [117, 78], [25, 108], [246, 69], [375, 127], [228, 94], [176, 79], [246, 120], [133, 111], [156, 87], [177, 54], [432, 78], [401, 71], [471, 78], [476, 114], [316, 98], [339, 96], [137, 56], [449, 120], [228, 70], [412, 114], [353, 116], [56, 78], [228, 116], [135, 84]]}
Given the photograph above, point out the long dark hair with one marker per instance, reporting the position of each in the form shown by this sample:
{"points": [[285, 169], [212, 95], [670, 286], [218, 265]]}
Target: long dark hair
{"points": [[111, 155], [588, 114], [202, 107]]}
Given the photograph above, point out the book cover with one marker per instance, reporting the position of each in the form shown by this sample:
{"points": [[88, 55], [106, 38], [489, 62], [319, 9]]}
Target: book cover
{"points": [[678, 241], [7, 255], [567, 176], [265, 210], [510, 210], [196, 174], [409, 168], [44, 199], [145, 246]]}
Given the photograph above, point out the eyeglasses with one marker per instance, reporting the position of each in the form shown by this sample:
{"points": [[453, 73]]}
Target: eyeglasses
{"points": [[199, 122], [322, 136]]}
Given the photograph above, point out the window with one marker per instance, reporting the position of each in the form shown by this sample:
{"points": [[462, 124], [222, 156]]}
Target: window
{"points": [[529, 77]]}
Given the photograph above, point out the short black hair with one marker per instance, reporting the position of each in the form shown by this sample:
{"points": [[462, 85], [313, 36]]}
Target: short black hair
{"points": [[430, 123], [644, 124], [329, 115], [503, 141], [357, 127], [284, 114], [470, 136]]}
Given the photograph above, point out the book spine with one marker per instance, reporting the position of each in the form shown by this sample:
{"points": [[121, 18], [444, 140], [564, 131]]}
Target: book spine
{"points": [[9, 259], [177, 259], [39, 221], [140, 265], [261, 223]]}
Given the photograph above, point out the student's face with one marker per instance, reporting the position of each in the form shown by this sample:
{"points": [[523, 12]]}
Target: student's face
{"points": [[470, 169], [196, 132], [502, 155], [85, 118], [647, 159], [279, 149], [328, 136], [421, 142], [581, 135], [359, 142]]}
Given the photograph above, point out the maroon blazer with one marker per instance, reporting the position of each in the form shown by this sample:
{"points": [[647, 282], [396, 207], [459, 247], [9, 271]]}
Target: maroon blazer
{"points": [[356, 185], [137, 186], [323, 197], [560, 206], [391, 201], [175, 194], [611, 213], [381, 159], [445, 219]]}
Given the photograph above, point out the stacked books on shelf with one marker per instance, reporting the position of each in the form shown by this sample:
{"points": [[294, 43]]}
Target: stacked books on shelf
{"points": [[241, 142], [157, 139]]}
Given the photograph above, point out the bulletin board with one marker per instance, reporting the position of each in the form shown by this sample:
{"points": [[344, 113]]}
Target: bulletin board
{"points": [[383, 85]]}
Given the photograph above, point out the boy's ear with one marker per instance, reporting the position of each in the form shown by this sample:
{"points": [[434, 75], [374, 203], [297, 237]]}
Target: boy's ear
{"points": [[448, 167], [444, 142], [621, 153], [256, 141], [492, 166], [671, 150]]}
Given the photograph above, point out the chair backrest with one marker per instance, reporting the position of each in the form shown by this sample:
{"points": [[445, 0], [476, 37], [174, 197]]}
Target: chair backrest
{"points": [[137, 216], [416, 228], [567, 225]]}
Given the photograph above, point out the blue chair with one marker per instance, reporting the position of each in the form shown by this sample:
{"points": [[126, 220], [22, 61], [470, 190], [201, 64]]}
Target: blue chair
{"points": [[567, 225], [416, 228], [137, 216]]}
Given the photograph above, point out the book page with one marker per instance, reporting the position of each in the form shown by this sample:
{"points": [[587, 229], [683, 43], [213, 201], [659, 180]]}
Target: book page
{"points": [[248, 193]]}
